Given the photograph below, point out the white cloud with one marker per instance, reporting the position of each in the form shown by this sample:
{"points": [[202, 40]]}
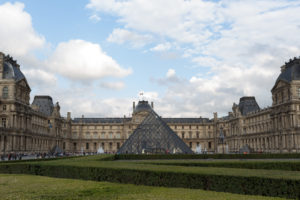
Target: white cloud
{"points": [[82, 60], [95, 18], [243, 44], [113, 85], [36, 77], [171, 73], [17, 35], [162, 47], [121, 36]]}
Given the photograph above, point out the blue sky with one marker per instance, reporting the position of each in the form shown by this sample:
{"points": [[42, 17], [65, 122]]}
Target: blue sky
{"points": [[192, 58]]}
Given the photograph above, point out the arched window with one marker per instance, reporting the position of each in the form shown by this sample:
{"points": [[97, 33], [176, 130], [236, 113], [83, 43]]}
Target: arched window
{"points": [[5, 92]]}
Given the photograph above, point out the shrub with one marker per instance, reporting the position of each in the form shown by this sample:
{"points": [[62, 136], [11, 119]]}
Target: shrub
{"points": [[225, 183]]}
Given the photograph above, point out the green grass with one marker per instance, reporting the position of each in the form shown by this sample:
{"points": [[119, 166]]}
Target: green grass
{"points": [[95, 161], [38, 187], [169, 173]]}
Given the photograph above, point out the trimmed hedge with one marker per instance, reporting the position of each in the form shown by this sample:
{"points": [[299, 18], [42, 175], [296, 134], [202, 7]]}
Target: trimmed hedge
{"points": [[204, 156], [38, 159], [233, 184], [289, 166]]}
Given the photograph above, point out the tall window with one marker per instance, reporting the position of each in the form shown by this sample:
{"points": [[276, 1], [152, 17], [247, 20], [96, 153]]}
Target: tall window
{"points": [[209, 145], [87, 146], [4, 122], [190, 134], [182, 135], [5, 92], [299, 92]]}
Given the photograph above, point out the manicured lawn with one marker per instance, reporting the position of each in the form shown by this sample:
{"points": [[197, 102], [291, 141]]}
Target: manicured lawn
{"points": [[94, 161], [37, 187]]}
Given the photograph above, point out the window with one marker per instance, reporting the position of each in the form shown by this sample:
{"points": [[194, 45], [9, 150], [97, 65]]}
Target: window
{"points": [[191, 144], [74, 145], [118, 145], [110, 135], [75, 134], [110, 145], [64, 145], [95, 135], [209, 145], [190, 134], [182, 134], [95, 146], [118, 135], [197, 134], [102, 145], [4, 107], [299, 92], [87, 146], [175, 127], [4, 122], [5, 92], [103, 135], [87, 135]]}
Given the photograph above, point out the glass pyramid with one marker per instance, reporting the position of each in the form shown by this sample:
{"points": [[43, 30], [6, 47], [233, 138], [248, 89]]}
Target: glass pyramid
{"points": [[154, 136]]}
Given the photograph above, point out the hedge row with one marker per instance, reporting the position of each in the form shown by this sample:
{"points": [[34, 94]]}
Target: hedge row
{"points": [[38, 159], [233, 184], [289, 166], [204, 156]]}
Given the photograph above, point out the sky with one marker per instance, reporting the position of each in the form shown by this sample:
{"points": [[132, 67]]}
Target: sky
{"points": [[190, 57]]}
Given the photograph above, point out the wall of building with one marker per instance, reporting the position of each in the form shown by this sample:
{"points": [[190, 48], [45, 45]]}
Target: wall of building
{"points": [[25, 129]]}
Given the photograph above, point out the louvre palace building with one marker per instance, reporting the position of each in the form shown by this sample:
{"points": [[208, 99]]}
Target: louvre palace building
{"points": [[38, 127]]}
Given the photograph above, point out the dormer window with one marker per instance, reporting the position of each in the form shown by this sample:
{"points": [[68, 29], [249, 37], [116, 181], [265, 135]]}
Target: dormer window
{"points": [[5, 92]]}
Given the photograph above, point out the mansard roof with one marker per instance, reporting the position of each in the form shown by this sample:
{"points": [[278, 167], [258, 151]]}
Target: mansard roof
{"points": [[12, 72], [247, 105], [44, 104], [101, 120], [153, 135], [186, 120], [290, 71]]}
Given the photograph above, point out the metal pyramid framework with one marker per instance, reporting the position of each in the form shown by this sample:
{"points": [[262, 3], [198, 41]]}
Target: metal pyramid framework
{"points": [[154, 136]]}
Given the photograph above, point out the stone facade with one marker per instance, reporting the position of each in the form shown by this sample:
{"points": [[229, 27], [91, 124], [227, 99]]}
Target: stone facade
{"points": [[38, 127]]}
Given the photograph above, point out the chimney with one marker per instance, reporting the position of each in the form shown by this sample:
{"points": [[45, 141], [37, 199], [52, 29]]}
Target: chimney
{"points": [[215, 116], [133, 106], [152, 105], [69, 116]]}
